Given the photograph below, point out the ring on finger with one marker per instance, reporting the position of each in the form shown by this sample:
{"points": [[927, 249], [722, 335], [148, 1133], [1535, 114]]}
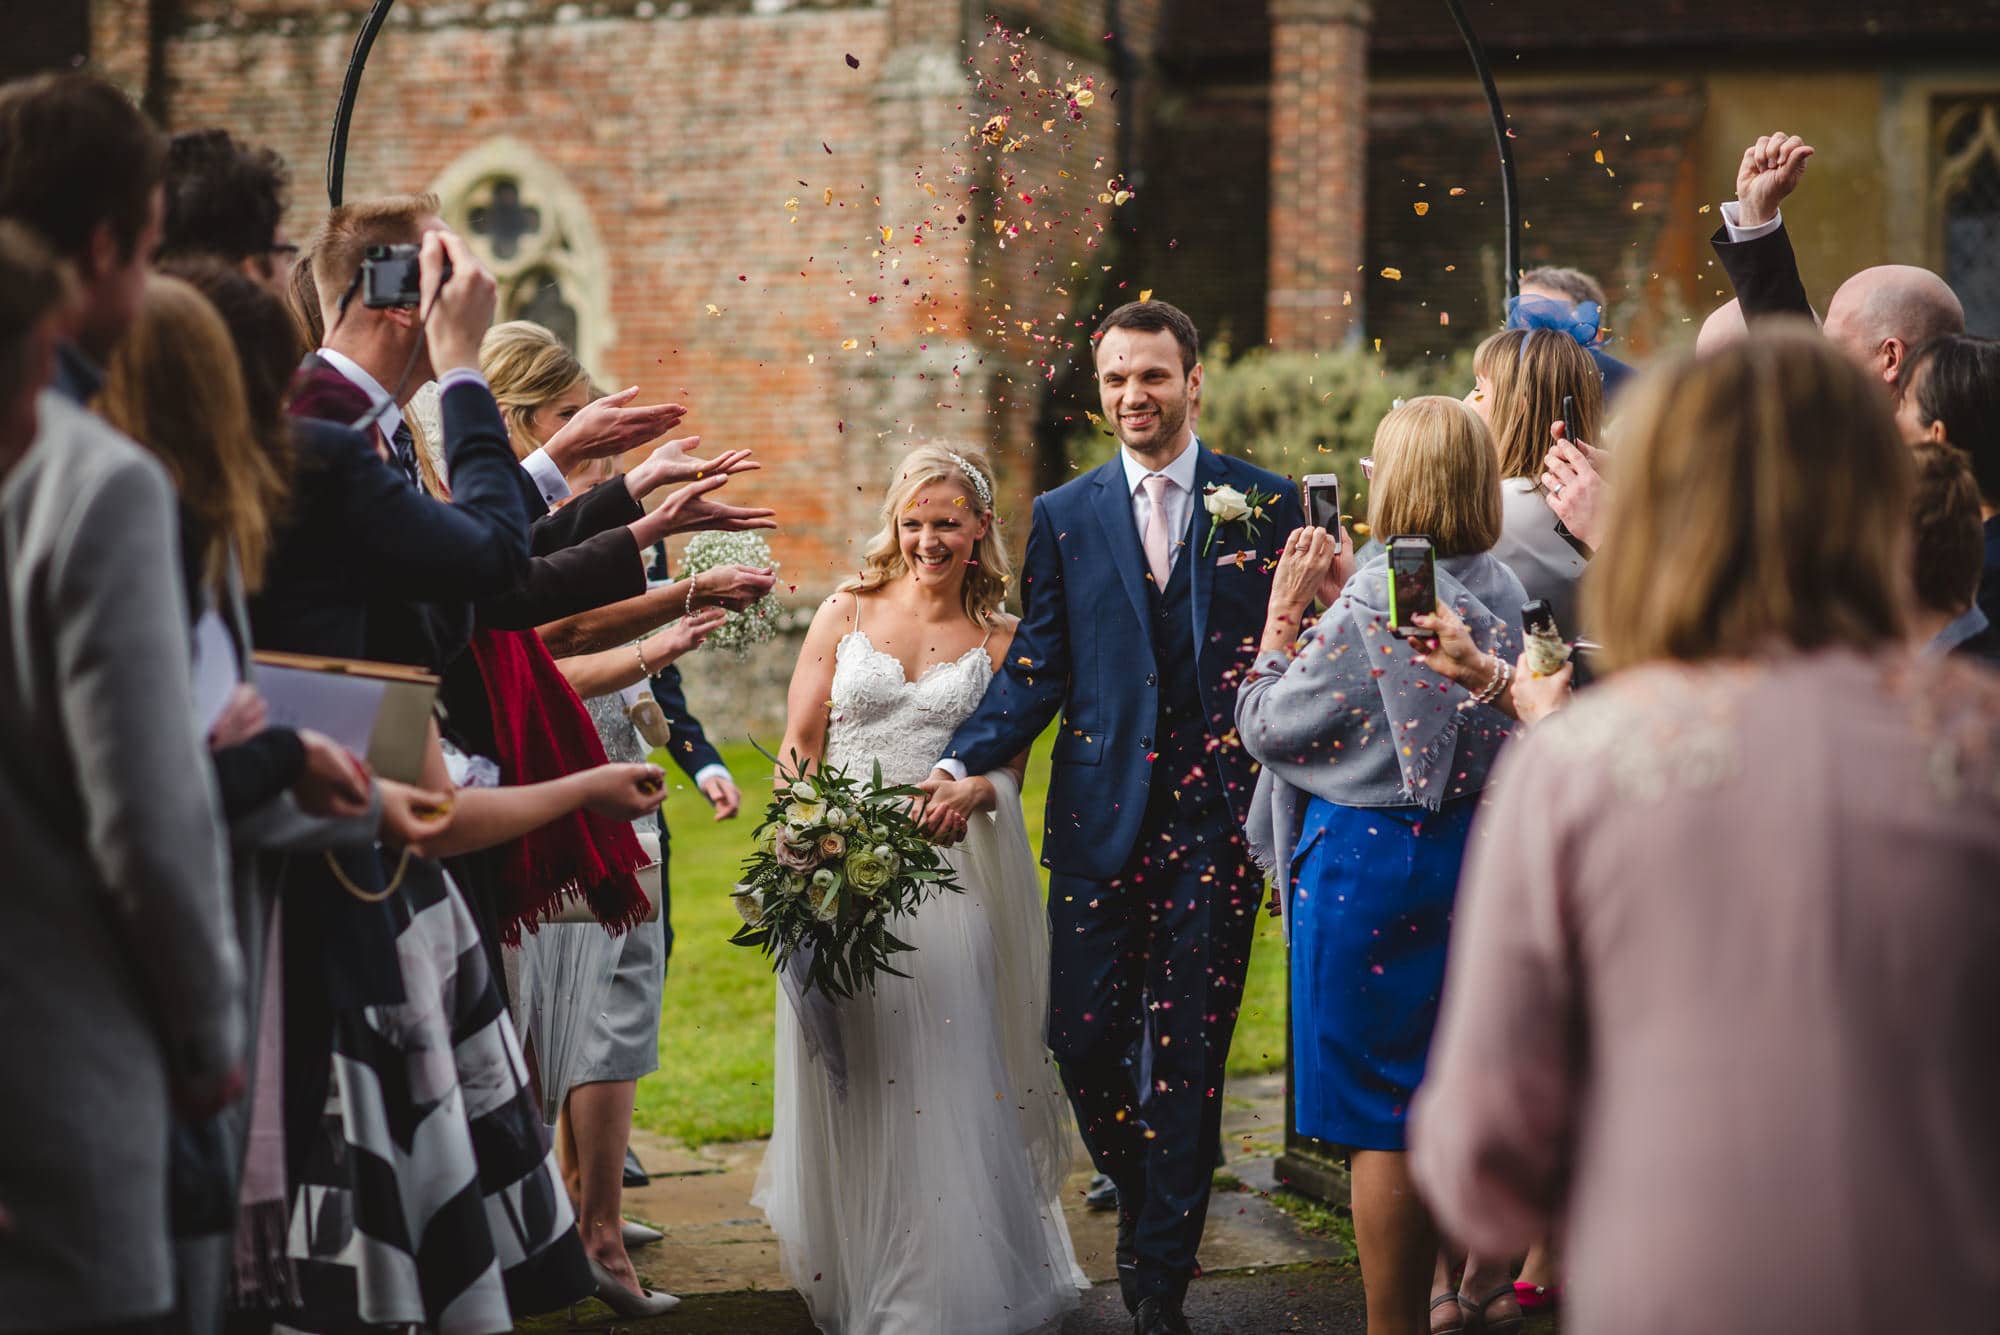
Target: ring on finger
{"points": [[1556, 490]]}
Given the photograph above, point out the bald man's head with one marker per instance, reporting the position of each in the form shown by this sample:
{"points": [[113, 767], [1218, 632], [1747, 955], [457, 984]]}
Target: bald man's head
{"points": [[1723, 327], [1881, 315]]}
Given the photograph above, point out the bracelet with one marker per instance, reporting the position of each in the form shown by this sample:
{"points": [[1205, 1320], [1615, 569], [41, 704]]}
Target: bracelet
{"points": [[694, 592], [639, 648], [1503, 674]]}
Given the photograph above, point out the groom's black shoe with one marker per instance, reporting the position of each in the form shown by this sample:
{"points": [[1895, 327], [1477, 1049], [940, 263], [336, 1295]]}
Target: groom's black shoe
{"points": [[1161, 1315], [1102, 1197], [1127, 1257]]}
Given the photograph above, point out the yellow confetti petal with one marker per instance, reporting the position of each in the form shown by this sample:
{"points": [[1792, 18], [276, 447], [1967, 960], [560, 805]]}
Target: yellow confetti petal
{"points": [[849, 344], [792, 203], [1421, 207], [827, 196], [1145, 294], [1085, 98], [1393, 274], [1598, 157], [1121, 197], [1637, 205], [888, 234], [1457, 190], [714, 309]]}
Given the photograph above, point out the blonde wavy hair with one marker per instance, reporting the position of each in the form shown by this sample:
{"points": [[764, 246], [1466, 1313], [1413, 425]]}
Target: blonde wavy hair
{"points": [[987, 574], [528, 368]]}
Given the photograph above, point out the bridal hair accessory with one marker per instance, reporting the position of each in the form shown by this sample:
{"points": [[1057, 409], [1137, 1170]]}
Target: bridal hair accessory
{"points": [[972, 475]]}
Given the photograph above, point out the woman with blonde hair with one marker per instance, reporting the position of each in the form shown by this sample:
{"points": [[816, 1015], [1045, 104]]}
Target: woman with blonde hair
{"points": [[1523, 378], [1373, 765], [951, 1220], [1729, 928]]}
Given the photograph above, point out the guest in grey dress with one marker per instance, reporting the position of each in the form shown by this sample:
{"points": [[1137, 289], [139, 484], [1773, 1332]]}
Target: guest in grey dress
{"points": [[1524, 376], [1721, 996]]}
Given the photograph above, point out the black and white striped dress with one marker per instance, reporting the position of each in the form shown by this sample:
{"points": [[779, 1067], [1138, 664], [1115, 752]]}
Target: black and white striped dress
{"points": [[432, 1197]]}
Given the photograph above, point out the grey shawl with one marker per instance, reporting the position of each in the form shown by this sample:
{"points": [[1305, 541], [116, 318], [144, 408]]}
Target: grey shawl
{"points": [[1354, 718]]}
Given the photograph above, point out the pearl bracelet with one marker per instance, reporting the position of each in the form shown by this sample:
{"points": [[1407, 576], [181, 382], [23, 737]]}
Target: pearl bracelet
{"points": [[1503, 675]]}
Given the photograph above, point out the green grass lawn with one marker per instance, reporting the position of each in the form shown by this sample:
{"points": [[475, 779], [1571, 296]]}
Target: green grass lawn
{"points": [[714, 1081]]}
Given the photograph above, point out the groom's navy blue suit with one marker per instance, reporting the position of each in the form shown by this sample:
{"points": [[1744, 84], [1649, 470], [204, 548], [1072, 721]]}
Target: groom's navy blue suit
{"points": [[1152, 901]]}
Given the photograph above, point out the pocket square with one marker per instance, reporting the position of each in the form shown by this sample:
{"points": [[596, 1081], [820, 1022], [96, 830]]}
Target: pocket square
{"points": [[1238, 559]]}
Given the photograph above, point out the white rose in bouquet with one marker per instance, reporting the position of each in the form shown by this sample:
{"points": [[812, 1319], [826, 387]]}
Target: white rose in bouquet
{"points": [[749, 905]]}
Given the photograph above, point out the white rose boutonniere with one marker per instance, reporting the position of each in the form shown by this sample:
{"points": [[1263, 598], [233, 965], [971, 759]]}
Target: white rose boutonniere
{"points": [[1227, 505]]}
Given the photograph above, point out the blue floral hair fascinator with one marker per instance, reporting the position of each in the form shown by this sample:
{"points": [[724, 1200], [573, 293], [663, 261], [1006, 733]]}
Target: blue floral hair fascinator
{"points": [[1582, 322]]}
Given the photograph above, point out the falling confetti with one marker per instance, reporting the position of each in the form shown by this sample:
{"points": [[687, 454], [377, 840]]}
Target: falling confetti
{"points": [[1393, 274], [1422, 207], [853, 62]]}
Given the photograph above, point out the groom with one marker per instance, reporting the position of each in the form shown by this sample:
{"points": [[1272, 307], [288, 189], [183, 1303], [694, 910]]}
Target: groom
{"points": [[1142, 607]]}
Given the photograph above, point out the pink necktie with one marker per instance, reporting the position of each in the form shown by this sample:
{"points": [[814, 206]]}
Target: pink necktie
{"points": [[1158, 545]]}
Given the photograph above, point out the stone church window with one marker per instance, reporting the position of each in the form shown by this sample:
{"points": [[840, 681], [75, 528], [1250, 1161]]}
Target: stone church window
{"points": [[533, 229], [1967, 202]]}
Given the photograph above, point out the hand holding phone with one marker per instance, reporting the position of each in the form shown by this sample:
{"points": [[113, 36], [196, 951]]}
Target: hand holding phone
{"points": [[1323, 500]]}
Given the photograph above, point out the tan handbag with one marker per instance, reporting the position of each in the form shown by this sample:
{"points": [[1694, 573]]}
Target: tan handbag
{"points": [[650, 885]]}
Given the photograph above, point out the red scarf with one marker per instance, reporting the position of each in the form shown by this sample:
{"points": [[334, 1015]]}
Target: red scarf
{"points": [[541, 731]]}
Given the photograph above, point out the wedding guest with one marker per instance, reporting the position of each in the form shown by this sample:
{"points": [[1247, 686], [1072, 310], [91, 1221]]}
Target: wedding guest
{"points": [[121, 983], [226, 199], [1954, 395], [173, 384], [1651, 1039], [33, 290], [1877, 318], [1569, 302], [1532, 374], [1373, 764], [1944, 522], [616, 994]]}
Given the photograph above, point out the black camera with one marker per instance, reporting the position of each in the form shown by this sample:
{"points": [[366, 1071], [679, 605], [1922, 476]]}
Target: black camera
{"points": [[390, 276]]}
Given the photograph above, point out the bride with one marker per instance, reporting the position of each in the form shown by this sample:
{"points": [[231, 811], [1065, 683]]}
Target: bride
{"points": [[921, 1194]]}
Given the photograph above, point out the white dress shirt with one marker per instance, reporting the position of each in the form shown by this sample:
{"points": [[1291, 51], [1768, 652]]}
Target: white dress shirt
{"points": [[1179, 497], [387, 415], [1732, 210]]}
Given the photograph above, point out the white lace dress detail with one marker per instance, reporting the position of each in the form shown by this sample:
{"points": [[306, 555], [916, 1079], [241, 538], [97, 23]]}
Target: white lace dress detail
{"points": [[927, 1200], [880, 714]]}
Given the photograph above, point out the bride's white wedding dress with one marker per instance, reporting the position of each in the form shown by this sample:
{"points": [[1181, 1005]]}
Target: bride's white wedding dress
{"points": [[927, 1200]]}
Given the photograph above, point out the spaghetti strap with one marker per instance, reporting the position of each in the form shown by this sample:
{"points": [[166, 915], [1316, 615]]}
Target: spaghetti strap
{"points": [[857, 614], [989, 638]]}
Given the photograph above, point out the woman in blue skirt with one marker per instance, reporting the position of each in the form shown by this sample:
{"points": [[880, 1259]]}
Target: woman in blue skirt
{"points": [[1372, 765]]}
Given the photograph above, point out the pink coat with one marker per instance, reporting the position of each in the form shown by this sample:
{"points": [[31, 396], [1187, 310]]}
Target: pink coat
{"points": [[1723, 1004]]}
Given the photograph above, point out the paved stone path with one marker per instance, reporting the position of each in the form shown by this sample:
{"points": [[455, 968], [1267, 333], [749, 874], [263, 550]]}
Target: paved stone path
{"points": [[1264, 1275]]}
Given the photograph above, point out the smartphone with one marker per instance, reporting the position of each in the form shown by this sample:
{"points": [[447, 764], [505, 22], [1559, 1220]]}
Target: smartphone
{"points": [[1544, 648], [1323, 501], [1412, 582], [390, 276], [1562, 529]]}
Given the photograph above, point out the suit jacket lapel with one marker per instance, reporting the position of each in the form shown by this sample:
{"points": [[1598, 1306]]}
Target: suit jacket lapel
{"points": [[1207, 473], [1121, 534]]}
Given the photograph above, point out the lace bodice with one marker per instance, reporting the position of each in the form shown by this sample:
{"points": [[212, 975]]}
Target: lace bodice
{"points": [[880, 714]]}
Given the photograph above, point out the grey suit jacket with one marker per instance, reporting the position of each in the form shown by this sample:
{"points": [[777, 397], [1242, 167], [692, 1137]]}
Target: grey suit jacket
{"points": [[119, 970]]}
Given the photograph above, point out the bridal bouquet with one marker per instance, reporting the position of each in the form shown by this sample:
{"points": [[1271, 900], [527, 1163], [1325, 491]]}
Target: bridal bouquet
{"points": [[835, 859]]}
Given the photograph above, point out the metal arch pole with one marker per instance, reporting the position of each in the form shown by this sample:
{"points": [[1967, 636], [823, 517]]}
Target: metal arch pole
{"points": [[350, 88], [1510, 199]]}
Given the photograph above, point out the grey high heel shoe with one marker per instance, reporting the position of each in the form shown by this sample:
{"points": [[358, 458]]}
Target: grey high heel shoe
{"points": [[638, 1235], [627, 1303]]}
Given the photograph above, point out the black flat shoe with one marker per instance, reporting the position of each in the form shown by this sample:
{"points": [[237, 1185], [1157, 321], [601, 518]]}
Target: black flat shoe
{"points": [[1102, 1195], [1160, 1315], [1127, 1258]]}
